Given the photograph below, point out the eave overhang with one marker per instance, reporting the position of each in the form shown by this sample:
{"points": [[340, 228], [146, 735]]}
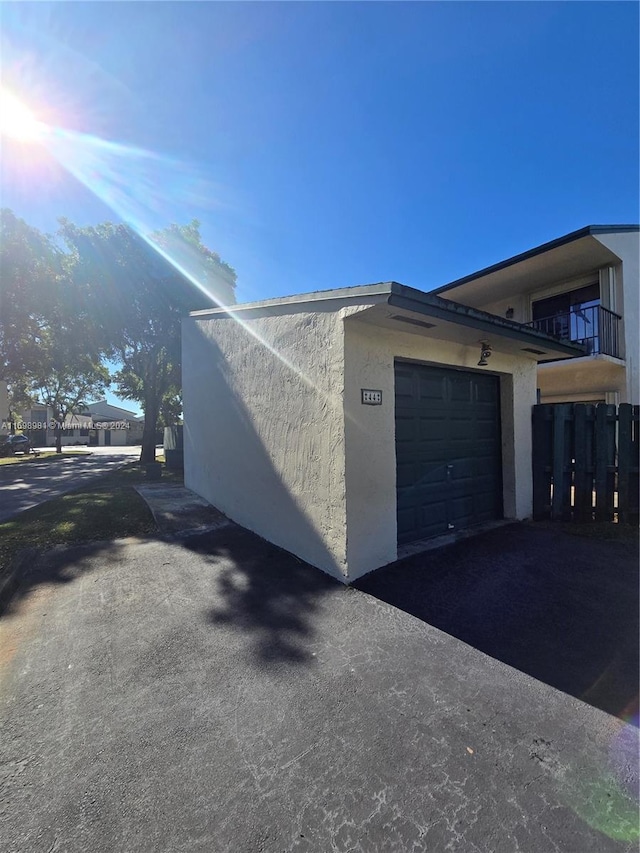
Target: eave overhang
{"points": [[573, 256], [401, 298]]}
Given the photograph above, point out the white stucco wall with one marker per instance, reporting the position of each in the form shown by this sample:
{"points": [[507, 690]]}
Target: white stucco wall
{"points": [[370, 432], [519, 302], [627, 247], [263, 435], [284, 446]]}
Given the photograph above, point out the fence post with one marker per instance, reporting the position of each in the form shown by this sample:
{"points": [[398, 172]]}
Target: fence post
{"points": [[583, 481], [541, 461], [624, 460], [601, 462], [559, 412], [634, 475]]}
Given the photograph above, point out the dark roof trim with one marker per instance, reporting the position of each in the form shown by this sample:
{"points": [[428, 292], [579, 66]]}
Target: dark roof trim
{"points": [[398, 296], [430, 305], [590, 230]]}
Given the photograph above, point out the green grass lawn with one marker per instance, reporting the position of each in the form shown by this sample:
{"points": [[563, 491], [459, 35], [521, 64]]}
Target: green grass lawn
{"points": [[108, 508], [50, 455]]}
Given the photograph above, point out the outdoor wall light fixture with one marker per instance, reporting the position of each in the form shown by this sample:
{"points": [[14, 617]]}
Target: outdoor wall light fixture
{"points": [[485, 353], [509, 313]]}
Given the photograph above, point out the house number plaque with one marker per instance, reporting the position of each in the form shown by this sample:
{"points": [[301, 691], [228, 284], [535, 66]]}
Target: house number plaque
{"points": [[371, 397]]}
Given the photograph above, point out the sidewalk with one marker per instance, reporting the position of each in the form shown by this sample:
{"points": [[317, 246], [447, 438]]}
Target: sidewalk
{"points": [[178, 510]]}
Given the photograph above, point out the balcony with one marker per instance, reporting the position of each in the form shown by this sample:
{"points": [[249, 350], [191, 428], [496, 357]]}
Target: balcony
{"points": [[593, 326]]}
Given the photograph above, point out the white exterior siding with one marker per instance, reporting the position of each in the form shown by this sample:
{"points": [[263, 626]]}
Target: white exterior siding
{"points": [[597, 377], [264, 434], [627, 295], [277, 438], [370, 352]]}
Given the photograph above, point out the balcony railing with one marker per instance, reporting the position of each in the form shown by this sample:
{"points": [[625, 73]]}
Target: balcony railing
{"points": [[594, 327]]}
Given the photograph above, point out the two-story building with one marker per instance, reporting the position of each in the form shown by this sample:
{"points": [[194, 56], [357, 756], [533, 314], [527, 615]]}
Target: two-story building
{"points": [[101, 424], [582, 287], [352, 425]]}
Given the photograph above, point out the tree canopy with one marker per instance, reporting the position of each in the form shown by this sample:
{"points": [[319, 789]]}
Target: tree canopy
{"points": [[48, 347], [101, 293], [140, 290]]}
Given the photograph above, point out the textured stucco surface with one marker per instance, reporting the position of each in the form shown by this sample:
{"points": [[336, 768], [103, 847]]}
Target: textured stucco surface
{"points": [[370, 432], [582, 380], [627, 247], [264, 434], [277, 438]]}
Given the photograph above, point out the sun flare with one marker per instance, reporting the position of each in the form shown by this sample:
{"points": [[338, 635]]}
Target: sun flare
{"points": [[17, 120]]}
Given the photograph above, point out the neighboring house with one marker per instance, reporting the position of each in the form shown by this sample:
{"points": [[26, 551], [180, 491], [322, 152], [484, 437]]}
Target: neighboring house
{"points": [[348, 425], [583, 287], [101, 424], [112, 419]]}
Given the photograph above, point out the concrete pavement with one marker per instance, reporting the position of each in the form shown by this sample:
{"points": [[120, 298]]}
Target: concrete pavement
{"points": [[216, 694]]}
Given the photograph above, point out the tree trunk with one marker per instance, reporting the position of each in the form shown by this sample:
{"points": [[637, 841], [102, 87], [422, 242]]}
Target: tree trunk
{"points": [[58, 433], [148, 449], [151, 410]]}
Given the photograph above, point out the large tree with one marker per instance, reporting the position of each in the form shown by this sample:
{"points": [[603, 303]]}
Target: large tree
{"points": [[30, 271], [50, 350], [141, 289]]}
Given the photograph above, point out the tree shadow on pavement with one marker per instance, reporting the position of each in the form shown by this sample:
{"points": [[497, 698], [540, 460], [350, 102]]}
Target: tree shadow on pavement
{"points": [[56, 566], [263, 591], [240, 583], [560, 608]]}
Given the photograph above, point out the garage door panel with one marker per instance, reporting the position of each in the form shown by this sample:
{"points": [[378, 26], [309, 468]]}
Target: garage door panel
{"points": [[461, 507], [485, 466], [405, 476], [485, 431], [461, 391], [431, 388], [425, 474], [462, 469], [449, 460], [432, 429], [486, 392], [407, 522], [432, 520]]}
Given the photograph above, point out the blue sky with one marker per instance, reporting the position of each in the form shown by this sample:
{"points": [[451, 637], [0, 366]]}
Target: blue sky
{"points": [[332, 144]]}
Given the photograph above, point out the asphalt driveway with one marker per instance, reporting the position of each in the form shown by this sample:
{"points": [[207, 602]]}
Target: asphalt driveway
{"points": [[215, 694], [561, 608]]}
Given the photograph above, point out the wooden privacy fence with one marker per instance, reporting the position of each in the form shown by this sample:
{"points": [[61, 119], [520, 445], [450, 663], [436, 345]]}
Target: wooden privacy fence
{"points": [[585, 462]]}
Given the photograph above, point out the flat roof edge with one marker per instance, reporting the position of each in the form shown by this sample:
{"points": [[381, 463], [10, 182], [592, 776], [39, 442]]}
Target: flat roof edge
{"points": [[446, 309], [403, 296], [358, 291], [588, 231]]}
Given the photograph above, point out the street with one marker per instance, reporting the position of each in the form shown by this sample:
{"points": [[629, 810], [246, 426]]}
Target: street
{"points": [[27, 484]]}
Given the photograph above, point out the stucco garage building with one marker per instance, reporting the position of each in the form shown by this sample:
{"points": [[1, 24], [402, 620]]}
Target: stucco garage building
{"points": [[345, 425]]}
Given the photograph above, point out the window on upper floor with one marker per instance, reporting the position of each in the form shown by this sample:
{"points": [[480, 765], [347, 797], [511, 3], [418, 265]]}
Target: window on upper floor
{"points": [[572, 315]]}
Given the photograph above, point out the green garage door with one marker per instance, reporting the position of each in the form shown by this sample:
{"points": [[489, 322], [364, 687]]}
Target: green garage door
{"points": [[448, 450]]}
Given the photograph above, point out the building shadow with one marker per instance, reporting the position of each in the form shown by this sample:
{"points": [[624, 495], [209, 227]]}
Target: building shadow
{"points": [[558, 607]]}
